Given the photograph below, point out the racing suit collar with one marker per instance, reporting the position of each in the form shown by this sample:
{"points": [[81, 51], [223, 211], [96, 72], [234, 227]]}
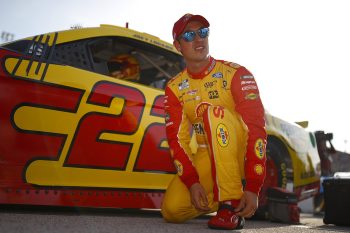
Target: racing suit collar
{"points": [[205, 71]]}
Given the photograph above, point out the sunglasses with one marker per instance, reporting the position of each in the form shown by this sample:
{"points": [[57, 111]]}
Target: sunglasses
{"points": [[190, 35]]}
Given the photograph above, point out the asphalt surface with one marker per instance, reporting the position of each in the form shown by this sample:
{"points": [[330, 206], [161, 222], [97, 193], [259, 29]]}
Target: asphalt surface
{"points": [[23, 219]]}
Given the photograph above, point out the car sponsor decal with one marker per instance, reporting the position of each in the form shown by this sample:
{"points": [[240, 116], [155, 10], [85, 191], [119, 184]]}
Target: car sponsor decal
{"points": [[259, 148], [85, 134], [222, 135]]}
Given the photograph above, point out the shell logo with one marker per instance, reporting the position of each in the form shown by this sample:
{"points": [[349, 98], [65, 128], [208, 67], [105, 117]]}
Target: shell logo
{"points": [[200, 109], [222, 135], [259, 169]]}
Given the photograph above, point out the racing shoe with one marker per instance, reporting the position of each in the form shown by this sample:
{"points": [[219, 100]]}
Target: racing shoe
{"points": [[226, 219]]}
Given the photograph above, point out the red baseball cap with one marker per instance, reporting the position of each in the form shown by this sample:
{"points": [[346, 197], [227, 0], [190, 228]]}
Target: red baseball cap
{"points": [[180, 25]]}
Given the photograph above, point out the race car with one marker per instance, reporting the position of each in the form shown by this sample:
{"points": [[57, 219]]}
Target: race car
{"points": [[71, 134]]}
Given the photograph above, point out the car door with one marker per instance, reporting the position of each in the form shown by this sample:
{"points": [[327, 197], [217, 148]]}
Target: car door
{"points": [[71, 125]]}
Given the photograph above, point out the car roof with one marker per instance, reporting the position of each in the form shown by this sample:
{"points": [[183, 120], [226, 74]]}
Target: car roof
{"points": [[101, 31]]}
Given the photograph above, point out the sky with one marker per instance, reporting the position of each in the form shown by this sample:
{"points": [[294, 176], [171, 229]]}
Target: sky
{"points": [[298, 50]]}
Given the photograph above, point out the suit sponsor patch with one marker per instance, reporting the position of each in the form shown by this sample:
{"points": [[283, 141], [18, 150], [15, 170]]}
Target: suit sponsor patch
{"points": [[232, 64], [258, 169], [224, 84], [198, 128], [218, 75], [222, 135], [247, 77], [259, 148], [192, 92], [184, 85], [211, 84], [248, 82], [251, 96], [167, 117], [201, 108], [179, 167], [213, 94], [249, 87]]}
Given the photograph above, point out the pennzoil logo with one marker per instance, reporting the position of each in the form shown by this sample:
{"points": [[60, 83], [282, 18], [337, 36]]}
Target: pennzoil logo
{"points": [[259, 169], [201, 108], [222, 135], [179, 167], [259, 148]]}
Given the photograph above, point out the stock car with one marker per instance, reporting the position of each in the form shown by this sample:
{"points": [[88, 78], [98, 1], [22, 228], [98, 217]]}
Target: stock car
{"points": [[71, 135]]}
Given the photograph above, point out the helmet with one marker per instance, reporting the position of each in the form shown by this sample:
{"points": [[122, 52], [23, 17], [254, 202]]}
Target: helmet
{"points": [[124, 66]]}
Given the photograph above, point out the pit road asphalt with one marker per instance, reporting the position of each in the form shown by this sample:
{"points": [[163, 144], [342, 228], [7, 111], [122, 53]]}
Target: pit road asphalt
{"points": [[62, 220]]}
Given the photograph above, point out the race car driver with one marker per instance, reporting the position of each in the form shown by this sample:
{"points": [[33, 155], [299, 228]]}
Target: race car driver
{"points": [[219, 102], [124, 66]]}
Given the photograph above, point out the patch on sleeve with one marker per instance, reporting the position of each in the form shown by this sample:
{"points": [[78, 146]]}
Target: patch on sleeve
{"points": [[259, 148], [232, 64], [168, 121], [259, 169], [179, 167], [251, 96], [247, 77]]}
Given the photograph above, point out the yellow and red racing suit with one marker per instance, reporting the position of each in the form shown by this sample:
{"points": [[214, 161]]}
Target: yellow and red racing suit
{"points": [[222, 106]]}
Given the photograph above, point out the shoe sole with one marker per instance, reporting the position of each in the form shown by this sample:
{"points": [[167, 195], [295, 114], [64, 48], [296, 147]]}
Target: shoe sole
{"points": [[240, 226]]}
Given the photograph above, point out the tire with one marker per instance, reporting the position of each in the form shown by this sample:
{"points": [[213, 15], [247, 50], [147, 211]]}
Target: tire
{"points": [[278, 153], [279, 172]]}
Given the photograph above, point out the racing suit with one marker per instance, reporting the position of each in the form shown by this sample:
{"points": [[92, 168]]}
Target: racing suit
{"points": [[222, 107]]}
